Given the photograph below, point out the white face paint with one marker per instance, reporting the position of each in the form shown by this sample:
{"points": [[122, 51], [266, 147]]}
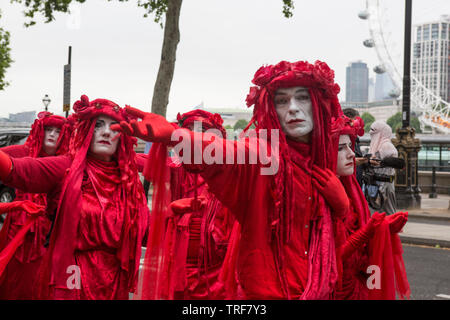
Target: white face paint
{"points": [[346, 157], [51, 135], [294, 110], [102, 145]]}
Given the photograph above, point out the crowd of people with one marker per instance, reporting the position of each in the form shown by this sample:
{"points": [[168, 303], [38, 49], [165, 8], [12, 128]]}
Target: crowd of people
{"points": [[224, 222]]}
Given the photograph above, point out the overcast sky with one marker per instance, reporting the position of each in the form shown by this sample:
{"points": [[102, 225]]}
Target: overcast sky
{"points": [[116, 51]]}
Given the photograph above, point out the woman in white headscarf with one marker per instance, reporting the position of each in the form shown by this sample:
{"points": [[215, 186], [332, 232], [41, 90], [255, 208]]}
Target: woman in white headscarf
{"points": [[381, 147]]}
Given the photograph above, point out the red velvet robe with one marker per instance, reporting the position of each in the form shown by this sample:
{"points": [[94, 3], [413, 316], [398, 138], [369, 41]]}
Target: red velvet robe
{"points": [[201, 239], [248, 195], [100, 225], [20, 274]]}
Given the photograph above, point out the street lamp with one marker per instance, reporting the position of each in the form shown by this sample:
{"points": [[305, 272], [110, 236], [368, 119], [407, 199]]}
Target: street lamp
{"points": [[46, 100], [406, 180]]}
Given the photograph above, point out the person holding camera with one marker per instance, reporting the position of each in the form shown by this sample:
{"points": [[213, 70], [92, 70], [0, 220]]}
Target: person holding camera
{"points": [[381, 148]]}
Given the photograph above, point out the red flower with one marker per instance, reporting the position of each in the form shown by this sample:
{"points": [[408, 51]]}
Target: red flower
{"points": [[44, 114], [216, 119], [323, 71], [252, 96], [81, 104], [281, 67], [302, 67], [263, 75], [358, 123]]}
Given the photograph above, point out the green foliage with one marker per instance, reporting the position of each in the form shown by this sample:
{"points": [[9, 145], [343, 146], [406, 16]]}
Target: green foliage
{"points": [[395, 122], [5, 57], [45, 7], [228, 127], [240, 124], [288, 7], [368, 120]]}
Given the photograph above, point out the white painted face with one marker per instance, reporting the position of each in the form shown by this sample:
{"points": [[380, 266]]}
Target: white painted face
{"points": [[294, 110], [346, 157], [51, 135], [102, 145]]}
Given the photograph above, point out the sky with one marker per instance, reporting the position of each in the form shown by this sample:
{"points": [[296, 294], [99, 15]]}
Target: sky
{"points": [[116, 51]]}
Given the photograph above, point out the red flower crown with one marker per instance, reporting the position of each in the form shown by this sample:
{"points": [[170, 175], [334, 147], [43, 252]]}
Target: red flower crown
{"points": [[300, 73], [85, 109]]}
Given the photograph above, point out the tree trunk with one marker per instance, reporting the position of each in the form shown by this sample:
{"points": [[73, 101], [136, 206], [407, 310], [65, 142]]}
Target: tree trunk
{"points": [[168, 56]]}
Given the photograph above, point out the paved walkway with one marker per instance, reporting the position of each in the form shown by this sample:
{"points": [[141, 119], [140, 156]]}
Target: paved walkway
{"points": [[429, 225]]}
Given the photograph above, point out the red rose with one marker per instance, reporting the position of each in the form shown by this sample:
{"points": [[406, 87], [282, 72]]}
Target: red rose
{"points": [[323, 72], [217, 120], [82, 104], [358, 123], [263, 75], [281, 67], [302, 67], [44, 114], [252, 96]]}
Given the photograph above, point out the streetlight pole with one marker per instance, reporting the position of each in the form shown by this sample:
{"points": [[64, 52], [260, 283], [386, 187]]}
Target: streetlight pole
{"points": [[406, 180], [46, 101]]}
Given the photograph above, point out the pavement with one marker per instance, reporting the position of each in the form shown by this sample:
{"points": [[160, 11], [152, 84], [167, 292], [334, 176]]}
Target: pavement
{"points": [[429, 225]]}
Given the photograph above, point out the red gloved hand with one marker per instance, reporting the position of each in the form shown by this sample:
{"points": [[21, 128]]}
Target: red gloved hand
{"points": [[152, 128], [362, 236], [186, 205], [397, 221], [32, 208], [5, 165], [331, 188]]}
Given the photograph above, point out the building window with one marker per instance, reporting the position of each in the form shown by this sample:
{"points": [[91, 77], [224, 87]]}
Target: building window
{"points": [[434, 31], [444, 31], [419, 34], [426, 32]]}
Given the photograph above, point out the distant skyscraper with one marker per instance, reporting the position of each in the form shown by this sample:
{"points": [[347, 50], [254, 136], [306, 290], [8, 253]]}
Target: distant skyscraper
{"points": [[383, 86], [431, 56], [371, 90], [357, 83]]}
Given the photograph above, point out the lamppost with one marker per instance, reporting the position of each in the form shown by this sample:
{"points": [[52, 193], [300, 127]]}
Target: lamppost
{"points": [[46, 100], [406, 182]]}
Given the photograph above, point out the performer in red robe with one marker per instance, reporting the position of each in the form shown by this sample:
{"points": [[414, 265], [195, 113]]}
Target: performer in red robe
{"points": [[286, 248], [49, 136], [363, 245], [101, 217], [198, 227]]}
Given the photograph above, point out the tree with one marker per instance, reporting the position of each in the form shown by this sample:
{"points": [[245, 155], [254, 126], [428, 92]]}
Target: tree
{"points": [[240, 124], [5, 58], [395, 122], [368, 120], [171, 9]]}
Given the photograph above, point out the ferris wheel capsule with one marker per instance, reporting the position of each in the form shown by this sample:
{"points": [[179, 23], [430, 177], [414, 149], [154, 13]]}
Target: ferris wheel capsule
{"points": [[379, 69], [364, 14], [369, 43], [394, 93]]}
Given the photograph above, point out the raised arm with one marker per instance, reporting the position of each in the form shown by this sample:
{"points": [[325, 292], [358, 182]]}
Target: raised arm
{"points": [[16, 151], [35, 175], [231, 168]]}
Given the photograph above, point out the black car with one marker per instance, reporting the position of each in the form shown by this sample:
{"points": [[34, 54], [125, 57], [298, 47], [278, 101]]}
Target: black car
{"points": [[10, 136]]}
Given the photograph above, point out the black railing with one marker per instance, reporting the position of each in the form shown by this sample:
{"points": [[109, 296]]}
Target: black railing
{"points": [[434, 186]]}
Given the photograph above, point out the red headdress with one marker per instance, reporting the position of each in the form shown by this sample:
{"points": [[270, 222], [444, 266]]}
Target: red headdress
{"points": [[319, 79], [208, 120], [36, 137], [132, 200]]}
